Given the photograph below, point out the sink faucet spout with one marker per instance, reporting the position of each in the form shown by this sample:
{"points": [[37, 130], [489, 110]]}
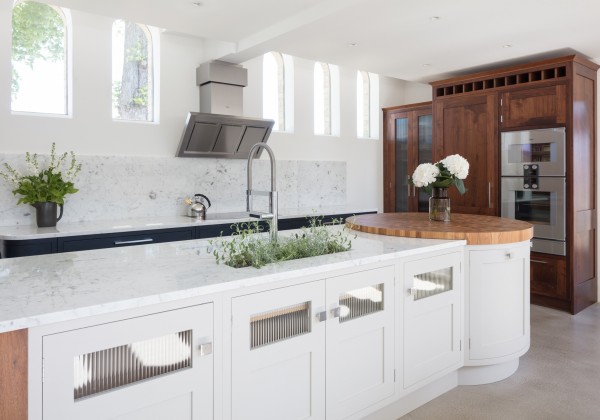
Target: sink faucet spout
{"points": [[272, 215]]}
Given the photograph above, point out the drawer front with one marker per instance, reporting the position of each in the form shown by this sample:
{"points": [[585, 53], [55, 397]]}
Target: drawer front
{"points": [[83, 243], [549, 275], [11, 249]]}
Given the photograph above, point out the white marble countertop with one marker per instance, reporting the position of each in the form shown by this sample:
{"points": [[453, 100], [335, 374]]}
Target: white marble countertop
{"points": [[45, 289], [141, 224]]}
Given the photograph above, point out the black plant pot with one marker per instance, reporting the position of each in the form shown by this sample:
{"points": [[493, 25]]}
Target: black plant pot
{"points": [[45, 214]]}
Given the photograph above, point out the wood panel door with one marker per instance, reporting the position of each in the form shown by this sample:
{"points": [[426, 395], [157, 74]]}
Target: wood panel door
{"points": [[534, 107], [468, 126], [407, 142]]}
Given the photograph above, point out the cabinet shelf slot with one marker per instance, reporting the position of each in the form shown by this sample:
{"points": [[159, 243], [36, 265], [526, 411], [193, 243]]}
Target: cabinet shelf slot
{"points": [[549, 74], [499, 81], [523, 78], [478, 85], [535, 76], [561, 72], [279, 324], [115, 367], [511, 80], [361, 302], [489, 83], [468, 87]]}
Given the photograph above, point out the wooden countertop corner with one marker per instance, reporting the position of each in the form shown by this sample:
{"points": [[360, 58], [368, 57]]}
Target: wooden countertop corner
{"points": [[475, 229]]}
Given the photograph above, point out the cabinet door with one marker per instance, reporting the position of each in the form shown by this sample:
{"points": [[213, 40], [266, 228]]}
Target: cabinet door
{"points": [[498, 302], [407, 143], [432, 317], [152, 367], [360, 341], [278, 354], [549, 275], [468, 126], [534, 107]]}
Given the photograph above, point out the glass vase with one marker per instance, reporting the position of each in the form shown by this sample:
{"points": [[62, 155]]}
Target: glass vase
{"points": [[439, 205]]}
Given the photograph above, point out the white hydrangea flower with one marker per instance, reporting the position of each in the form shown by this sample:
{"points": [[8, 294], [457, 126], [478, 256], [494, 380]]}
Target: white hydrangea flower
{"points": [[457, 165], [425, 174]]}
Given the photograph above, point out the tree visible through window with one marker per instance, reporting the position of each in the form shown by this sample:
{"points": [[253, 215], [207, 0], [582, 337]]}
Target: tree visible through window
{"points": [[39, 63], [132, 73]]}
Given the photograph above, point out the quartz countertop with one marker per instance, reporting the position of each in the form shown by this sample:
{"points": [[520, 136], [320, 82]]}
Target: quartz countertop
{"points": [[140, 224], [44, 289]]}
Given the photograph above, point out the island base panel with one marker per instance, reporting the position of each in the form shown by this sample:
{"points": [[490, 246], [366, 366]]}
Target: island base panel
{"points": [[479, 375]]}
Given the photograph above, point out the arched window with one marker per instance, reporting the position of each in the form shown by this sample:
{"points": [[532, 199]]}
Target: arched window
{"points": [[367, 100], [132, 72], [327, 99], [39, 59], [278, 90]]}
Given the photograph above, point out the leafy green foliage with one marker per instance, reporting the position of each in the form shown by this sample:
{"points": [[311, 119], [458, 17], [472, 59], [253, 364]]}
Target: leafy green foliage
{"points": [[249, 247], [43, 185], [38, 32]]}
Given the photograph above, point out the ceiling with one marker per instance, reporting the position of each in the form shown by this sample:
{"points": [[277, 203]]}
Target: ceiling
{"points": [[421, 40]]}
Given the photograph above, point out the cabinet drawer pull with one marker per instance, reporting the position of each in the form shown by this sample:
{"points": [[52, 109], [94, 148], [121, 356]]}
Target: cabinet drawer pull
{"points": [[134, 241], [539, 261], [489, 195], [321, 316], [335, 312], [205, 349]]}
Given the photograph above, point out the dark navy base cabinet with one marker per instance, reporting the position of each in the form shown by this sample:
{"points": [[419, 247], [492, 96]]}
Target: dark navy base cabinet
{"points": [[28, 247]]}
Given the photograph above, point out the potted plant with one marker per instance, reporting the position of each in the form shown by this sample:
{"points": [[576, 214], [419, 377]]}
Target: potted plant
{"points": [[45, 189], [437, 178]]}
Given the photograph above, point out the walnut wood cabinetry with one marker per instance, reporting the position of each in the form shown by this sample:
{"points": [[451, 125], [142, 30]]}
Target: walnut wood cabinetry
{"points": [[468, 126], [469, 114], [407, 142]]}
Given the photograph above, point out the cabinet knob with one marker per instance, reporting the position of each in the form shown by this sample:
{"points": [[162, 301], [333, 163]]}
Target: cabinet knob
{"points": [[321, 316], [509, 255], [205, 349]]}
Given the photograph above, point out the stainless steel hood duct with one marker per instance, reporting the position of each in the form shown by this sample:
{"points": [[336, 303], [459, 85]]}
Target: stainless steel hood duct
{"points": [[219, 131]]}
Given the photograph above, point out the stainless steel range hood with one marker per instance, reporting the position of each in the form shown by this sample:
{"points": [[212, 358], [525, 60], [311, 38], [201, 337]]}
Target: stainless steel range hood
{"points": [[219, 131]]}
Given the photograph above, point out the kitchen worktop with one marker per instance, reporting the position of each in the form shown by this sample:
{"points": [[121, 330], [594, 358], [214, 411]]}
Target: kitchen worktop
{"points": [[475, 229], [44, 289], [63, 229]]}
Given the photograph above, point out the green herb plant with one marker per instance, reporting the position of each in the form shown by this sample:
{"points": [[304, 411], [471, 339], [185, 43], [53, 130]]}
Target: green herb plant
{"points": [[43, 185], [249, 246]]}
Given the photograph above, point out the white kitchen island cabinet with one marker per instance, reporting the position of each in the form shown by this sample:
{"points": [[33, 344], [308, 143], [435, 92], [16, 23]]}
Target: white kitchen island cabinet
{"points": [[319, 350], [497, 311], [432, 317], [329, 337], [146, 368]]}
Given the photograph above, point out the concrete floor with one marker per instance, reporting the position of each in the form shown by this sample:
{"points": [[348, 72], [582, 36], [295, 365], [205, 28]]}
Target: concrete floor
{"points": [[558, 378]]}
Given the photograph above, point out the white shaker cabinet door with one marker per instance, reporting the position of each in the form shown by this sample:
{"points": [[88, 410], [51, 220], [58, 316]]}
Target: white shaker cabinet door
{"points": [[360, 341], [432, 317], [153, 367], [278, 354], [498, 302]]}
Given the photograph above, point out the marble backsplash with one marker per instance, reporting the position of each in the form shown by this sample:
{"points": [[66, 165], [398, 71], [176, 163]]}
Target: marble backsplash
{"points": [[125, 187]]}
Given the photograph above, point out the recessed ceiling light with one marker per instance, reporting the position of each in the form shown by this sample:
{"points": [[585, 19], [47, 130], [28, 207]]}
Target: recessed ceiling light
{"points": [[426, 65], [434, 18], [353, 44], [506, 46], [197, 3]]}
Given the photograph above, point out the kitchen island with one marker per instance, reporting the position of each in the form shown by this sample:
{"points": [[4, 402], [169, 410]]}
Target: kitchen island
{"points": [[496, 301], [194, 339]]}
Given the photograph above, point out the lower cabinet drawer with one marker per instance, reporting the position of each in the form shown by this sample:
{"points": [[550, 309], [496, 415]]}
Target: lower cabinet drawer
{"points": [[83, 243], [549, 275]]}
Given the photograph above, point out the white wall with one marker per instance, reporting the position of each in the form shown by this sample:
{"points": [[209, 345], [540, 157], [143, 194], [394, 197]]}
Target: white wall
{"points": [[91, 130]]}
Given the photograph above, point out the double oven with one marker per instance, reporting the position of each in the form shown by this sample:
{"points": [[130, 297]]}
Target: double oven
{"points": [[533, 184]]}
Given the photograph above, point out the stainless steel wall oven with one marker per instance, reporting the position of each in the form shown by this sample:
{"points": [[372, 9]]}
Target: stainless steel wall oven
{"points": [[533, 185]]}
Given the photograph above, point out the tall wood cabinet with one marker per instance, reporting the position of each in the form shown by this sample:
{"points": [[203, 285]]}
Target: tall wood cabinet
{"points": [[471, 112], [469, 115], [468, 126], [407, 142]]}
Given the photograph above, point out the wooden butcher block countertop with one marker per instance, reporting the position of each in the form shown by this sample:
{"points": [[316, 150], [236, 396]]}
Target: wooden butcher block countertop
{"points": [[475, 229]]}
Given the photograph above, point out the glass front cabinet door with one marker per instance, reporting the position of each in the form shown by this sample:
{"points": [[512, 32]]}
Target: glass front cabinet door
{"points": [[407, 143]]}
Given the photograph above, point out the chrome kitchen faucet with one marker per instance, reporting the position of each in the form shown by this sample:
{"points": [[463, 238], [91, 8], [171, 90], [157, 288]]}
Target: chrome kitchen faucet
{"points": [[272, 215]]}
